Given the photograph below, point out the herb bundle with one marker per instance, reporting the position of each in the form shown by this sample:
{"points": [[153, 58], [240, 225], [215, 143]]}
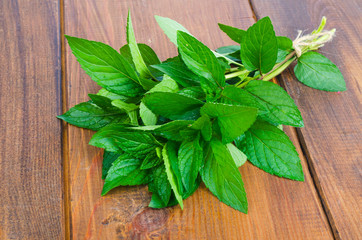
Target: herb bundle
{"points": [[200, 115]]}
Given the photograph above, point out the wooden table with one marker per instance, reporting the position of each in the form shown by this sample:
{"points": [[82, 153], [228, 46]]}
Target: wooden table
{"points": [[50, 178]]}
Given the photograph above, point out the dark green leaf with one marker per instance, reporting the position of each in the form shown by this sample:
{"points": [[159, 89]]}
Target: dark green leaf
{"points": [[259, 47], [235, 34], [178, 71], [151, 160], [108, 159], [193, 92], [190, 159], [284, 43], [270, 149], [172, 105], [274, 102], [233, 120], [125, 171], [106, 66], [115, 138], [317, 71], [222, 177], [204, 125], [201, 60], [89, 115], [160, 187], [129, 108]]}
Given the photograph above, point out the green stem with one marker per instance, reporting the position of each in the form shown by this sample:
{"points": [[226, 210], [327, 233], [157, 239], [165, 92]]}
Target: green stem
{"points": [[235, 74]]}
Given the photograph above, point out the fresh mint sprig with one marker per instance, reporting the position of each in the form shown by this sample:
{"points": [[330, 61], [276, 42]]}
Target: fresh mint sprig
{"points": [[200, 115]]}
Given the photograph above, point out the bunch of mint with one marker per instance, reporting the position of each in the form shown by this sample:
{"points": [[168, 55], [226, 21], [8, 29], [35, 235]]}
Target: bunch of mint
{"points": [[200, 115]]}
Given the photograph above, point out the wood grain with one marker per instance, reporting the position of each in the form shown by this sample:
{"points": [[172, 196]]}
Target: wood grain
{"points": [[31, 204], [279, 208], [333, 132]]}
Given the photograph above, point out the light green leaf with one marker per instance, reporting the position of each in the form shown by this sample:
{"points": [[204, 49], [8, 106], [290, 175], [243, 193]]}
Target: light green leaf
{"points": [[105, 93], [203, 124], [160, 188], [190, 158], [129, 108], [137, 57], [106, 66], [125, 171], [317, 71], [270, 149], [169, 105], [222, 177], [274, 102], [259, 46], [238, 156], [233, 120], [171, 175], [284, 43], [235, 34], [202, 62], [193, 92], [170, 28]]}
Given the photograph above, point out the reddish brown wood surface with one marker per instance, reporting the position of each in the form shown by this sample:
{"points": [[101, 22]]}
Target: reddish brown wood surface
{"points": [[31, 205], [333, 133], [279, 208]]}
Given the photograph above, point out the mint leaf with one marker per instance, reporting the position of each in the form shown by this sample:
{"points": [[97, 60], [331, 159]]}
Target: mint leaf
{"points": [[259, 47], [106, 66], [129, 108], [116, 138], [284, 43], [89, 115], [235, 34], [151, 160], [317, 71], [170, 28], [160, 187], [137, 57], [171, 174], [178, 71], [232, 120], [222, 177], [238, 156], [125, 171], [168, 105], [270, 149], [202, 62], [190, 158], [203, 124], [166, 85], [108, 159], [274, 102], [193, 92], [112, 96]]}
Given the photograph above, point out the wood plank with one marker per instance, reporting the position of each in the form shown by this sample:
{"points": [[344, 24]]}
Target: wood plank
{"points": [[31, 203], [279, 208], [333, 134]]}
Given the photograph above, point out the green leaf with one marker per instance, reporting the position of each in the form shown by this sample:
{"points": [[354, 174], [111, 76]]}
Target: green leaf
{"points": [[129, 108], [259, 46], [203, 124], [166, 85], [193, 92], [116, 138], [105, 93], [125, 171], [190, 158], [274, 102], [106, 66], [151, 160], [235, 34], [227, 50], [222, 177], [238, 156], [138, 61], [89, 115], [270, 149], [317, 71], [232, 120], [282, 54], [171, 174], [170, 28], [169, 105], [108, 159], [103, 102], [160, 187], [178, 71], [201, 60], [284, 43]]}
